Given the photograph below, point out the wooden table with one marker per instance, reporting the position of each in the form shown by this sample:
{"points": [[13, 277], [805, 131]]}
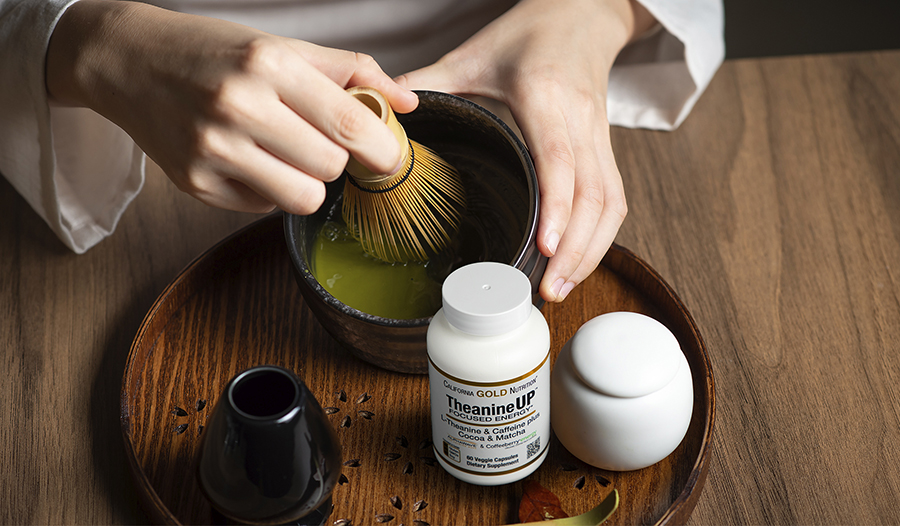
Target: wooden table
{"points": [[774, 212]]}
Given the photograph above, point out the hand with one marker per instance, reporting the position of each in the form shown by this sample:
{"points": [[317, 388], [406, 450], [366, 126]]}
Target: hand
{"points": [[238, 118], [549, 62]]}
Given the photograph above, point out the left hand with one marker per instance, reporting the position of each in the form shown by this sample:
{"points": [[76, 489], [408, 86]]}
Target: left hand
{"points": [[549, 62]]}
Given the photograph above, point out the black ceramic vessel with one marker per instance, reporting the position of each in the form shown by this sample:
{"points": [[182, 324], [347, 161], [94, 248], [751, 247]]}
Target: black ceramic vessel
{"points": [[500, 225], [269, 454]]}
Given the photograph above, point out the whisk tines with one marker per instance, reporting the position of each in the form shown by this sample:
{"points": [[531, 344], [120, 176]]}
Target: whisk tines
{"points": [[410, 215]]}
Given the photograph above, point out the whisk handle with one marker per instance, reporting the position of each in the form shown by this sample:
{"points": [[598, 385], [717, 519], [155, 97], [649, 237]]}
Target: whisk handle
{"points": [[375, 101]]}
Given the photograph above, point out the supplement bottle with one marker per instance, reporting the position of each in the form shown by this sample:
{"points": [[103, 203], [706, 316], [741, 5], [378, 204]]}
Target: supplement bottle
{"points": [[489, 374]]}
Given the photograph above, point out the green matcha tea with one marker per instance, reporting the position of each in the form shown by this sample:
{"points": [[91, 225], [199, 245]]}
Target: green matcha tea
{"points": [[491, 230], [389, 290]]}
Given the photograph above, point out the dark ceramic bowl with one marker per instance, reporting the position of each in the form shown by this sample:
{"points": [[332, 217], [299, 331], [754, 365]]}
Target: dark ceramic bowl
{"points": [[500, 225]]}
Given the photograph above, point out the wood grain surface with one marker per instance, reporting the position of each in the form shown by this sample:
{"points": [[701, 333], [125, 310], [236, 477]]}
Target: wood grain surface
{"points": [[774, 212], [238, 306]]}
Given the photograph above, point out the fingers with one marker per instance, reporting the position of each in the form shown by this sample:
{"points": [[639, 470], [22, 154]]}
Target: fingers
{"points": [[401, 99], [547, 133], [231, 194], [281, 132], [276, 181], [286, 129], [233, 172], [598, 212], [436, 77], [338, 116], [348, 69], [582, 199]]}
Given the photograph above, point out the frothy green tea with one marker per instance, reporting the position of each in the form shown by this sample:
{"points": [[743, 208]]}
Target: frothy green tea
{"points": [[390, 290], [490, 231]]}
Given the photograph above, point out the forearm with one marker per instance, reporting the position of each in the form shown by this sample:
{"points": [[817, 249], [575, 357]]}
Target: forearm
{"points": [[77, 50], [107, 54], [643, 20], [624, 21], [602, 27]]}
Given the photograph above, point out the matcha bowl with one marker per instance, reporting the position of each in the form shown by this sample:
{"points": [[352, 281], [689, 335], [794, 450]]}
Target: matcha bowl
{"points": [[500, 225]]}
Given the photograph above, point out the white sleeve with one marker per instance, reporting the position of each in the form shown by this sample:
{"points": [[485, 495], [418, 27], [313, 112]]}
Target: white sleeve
{"points": [[76, 169], [657, 79]]}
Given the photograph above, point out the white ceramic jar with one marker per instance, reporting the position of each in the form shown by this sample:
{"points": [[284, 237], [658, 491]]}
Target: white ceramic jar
{"points": [[621, 392]]}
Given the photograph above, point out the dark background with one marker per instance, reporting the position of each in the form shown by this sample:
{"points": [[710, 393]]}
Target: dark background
{"points": [[757, 28]]}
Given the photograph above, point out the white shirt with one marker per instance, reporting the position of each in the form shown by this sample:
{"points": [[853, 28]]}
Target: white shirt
{"points": [[79, 171]]}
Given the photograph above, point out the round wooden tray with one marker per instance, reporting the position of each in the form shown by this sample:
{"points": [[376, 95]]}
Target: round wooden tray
{"points": [[237, 306]]}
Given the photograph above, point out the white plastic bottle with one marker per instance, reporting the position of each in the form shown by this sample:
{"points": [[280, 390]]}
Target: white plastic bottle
{"points": [[489, 370]]}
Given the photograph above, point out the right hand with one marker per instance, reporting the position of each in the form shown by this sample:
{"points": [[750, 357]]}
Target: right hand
{"points": [[238, 118], [560, 107]]}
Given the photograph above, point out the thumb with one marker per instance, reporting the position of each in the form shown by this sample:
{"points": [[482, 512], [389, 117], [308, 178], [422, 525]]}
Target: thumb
{"points": [[436, 77]]}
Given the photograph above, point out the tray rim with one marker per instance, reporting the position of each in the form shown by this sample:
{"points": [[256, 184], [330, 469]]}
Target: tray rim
{"points": [[678, 511]]}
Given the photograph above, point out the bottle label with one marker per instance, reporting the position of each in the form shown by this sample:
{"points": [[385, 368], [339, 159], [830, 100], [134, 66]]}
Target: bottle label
{"points": [[490, 428]]}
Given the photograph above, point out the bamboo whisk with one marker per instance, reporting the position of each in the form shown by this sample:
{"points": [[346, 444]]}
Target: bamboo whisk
{"points": [[409, 215]]}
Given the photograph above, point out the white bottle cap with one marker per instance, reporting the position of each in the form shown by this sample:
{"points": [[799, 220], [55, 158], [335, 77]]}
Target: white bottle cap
{"points": [[486, 299]]}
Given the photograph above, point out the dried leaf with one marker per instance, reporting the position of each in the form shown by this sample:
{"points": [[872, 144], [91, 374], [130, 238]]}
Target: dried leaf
{"points": [[396, 502], [539, 504]]}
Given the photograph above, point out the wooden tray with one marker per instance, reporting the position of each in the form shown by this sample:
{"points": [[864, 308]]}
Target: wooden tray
{"points": [[237, 306]]}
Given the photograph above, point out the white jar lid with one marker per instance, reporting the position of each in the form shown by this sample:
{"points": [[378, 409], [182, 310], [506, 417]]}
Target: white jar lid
{"points": [[625, 354], [487, 298]]}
